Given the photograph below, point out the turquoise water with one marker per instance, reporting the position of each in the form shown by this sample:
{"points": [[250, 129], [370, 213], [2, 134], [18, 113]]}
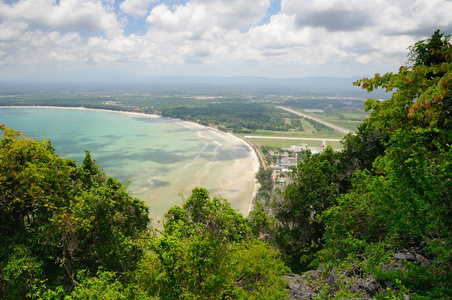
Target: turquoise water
{"points": [[161, 158]]}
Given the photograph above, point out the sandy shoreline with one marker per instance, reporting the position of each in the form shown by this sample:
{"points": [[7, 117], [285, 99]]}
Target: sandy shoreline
{"points": [[89, 109], [245, 207], [254, 157]]}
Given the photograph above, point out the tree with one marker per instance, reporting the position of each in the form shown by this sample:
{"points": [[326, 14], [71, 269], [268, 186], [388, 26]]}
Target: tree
{"points": [[432, 51], [207, 251], [318, 182], [362, 148], [421, 102], [418, 119], [407, 200], [62, 218], [71, 232], [264, 176]]}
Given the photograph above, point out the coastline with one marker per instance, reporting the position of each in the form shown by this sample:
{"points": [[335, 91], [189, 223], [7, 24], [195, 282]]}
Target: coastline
{"points": [[256, 167], [88, 109], [247, 206]]}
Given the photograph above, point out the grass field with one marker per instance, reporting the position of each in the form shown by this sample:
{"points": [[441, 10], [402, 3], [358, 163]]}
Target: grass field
{"points": [[343, 118], [284, 143], [346, 119], [335, 145], [304, 134]]}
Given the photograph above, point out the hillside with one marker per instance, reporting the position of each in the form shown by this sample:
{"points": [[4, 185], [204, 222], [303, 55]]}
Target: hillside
{"points": [[372, 221]]}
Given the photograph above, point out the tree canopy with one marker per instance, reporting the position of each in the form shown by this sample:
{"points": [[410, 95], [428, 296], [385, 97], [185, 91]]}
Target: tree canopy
{"points": [[404, 201], [71, 232], [389, 189], [57, 219]]}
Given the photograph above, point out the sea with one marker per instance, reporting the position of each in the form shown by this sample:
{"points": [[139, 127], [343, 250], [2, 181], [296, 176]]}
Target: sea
{"points": [[160, 159]]}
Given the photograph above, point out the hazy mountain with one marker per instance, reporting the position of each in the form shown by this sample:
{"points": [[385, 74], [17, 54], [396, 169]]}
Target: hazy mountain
{"points": [[119, 80]]}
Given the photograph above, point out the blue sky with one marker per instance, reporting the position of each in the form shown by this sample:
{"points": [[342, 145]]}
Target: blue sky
{"points": [[271, 38]]}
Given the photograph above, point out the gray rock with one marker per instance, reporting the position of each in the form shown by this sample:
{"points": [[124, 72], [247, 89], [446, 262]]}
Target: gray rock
{"points": [[368, 286], [298, 288], [308, 285], [400, 256], [333, 278]]}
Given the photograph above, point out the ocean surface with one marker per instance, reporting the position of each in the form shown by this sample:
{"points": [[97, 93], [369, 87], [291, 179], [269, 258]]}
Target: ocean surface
{"points": [[161, 158]]}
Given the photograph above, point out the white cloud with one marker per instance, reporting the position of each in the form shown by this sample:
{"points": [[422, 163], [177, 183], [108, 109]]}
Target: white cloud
{"points": [[89, 15], [199, 15], [136, 8], [10, 30], [195, 35], [37, 47]]}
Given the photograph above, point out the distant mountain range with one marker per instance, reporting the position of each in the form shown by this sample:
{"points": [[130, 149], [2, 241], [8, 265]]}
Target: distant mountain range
{"points": [[329, 86], [121, 76]]}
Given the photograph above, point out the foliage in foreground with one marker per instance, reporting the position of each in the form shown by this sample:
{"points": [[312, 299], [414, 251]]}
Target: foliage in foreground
{"points": [[57, 218], [389, 190], [207, 251], [70, 232]]}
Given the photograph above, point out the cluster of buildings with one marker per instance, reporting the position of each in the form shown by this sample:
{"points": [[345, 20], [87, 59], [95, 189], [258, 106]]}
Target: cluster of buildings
{"points": [[284, 162]]}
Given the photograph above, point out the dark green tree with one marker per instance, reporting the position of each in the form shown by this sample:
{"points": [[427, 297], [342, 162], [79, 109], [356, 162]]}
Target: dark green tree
{"points": [[407, 201], [432, 51], [318, 183], [61, 219], [207, 251], [362, 148]]}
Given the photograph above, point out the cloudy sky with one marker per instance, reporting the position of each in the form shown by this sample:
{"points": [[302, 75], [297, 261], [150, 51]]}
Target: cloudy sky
{"points": [[272, 38]]}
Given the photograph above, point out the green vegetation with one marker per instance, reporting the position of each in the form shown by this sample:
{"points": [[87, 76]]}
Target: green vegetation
{"points": [[334, 145], [58, 219], [264, 194], [278, 143], [346, 113], [70, 232], [379, 212], [342, 118], [238, 117], [301, 204], [381, 209], [207, 251]]}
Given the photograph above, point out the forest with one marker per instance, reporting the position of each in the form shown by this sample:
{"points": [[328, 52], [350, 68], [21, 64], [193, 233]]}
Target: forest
{"points": [[371, 221]]}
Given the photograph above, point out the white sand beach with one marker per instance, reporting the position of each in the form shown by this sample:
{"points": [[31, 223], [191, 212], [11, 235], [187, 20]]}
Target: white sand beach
{"points": [[236, 178]]}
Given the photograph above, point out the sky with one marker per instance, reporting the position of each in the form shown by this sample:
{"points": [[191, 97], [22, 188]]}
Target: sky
{"points": [[270, 38]]}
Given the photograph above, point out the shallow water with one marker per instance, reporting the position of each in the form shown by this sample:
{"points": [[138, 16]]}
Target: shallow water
{"points": [[161, 158]]}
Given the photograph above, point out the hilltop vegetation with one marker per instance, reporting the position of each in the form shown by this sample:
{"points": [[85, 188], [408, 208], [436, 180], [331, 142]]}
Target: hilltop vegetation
{"points": [[371, 221], [382, 208], [70, 230]]}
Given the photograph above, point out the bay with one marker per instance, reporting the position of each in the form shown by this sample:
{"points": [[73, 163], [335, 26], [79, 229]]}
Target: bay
{"points": [[163, 159]]}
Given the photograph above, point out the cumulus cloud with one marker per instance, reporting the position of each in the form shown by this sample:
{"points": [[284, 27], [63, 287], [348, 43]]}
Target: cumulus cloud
{"points": [[336, 20], [136, 8], [91, 15], [419, 18], [333, 15], [373, 31], [36, 47], [10, 30], [203, 14], [219, 34]]}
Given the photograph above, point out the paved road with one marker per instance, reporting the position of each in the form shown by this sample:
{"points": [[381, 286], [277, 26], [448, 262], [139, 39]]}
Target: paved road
{"points": [[316, 119]]}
